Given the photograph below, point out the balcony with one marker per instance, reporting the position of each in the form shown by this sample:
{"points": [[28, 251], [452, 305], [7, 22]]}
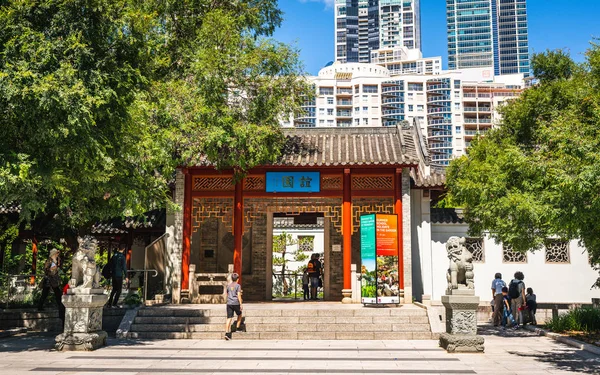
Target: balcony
{"points": [[438, 110], [477, 109], [344, 103], [343, 114], [478, 121], [344, 91], [476, 132], [393, 112]]}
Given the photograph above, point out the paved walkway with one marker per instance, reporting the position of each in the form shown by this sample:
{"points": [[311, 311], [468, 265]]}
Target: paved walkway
{"points": [[513, 352]]}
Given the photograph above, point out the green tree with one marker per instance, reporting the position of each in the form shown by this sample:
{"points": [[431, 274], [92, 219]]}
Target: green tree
{"points": [[538, 174], [102, 99]]}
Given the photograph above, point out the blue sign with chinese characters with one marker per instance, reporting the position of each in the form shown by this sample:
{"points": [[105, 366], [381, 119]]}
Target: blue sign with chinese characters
{"points": [[293, 182]]}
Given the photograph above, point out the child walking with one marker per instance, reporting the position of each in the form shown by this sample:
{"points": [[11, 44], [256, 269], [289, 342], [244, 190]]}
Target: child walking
{"points": [[305, 285], [531, 305], [234, 305], [507, 314]]}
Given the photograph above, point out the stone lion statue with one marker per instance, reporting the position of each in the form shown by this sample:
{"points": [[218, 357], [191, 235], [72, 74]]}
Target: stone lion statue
{"points": [[85, 272], [460, 274]]}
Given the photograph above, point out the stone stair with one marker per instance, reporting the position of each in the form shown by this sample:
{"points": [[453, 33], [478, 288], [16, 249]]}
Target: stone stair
{"points": [[334, 322]]}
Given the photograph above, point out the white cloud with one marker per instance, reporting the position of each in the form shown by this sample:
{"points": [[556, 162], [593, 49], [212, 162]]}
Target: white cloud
{"points": [[328, 3]]}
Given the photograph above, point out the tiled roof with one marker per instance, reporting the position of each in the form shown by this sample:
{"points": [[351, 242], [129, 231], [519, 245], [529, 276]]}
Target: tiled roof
{"points": [[436, 178], [155, 219], [353, 146], [447, 216], [9, 209]]}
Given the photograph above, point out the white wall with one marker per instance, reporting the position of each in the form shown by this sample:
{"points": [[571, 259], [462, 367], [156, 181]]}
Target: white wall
{"points": [[560, 283], [319, 244]]}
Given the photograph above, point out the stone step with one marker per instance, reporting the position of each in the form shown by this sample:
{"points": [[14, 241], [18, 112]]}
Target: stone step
{"points": [[285, 320], [289, 335], [262, 327], [323, 313]]}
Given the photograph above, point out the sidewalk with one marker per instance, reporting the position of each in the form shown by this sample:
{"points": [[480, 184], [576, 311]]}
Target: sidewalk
{"points": [[510, 352]]}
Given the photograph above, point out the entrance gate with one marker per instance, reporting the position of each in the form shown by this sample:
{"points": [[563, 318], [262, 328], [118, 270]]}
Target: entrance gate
{"points": [[357, 171]]}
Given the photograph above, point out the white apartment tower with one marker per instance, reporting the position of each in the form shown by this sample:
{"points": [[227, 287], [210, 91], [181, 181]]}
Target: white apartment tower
{"points": [[364, 26]]}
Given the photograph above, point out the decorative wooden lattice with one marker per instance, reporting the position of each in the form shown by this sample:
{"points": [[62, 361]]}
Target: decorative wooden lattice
{"points": [[475, 247], [202, 183], [372, 182], [557, 251], [369, 206], [330, 208], [511, 256], [254, 183], [331, 182], [306, 243], [204, 208]]}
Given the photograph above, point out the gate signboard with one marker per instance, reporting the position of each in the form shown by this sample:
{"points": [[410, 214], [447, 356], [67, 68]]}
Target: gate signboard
{"points": [[379, 258]]}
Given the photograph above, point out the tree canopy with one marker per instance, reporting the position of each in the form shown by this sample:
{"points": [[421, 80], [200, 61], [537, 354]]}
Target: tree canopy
{"points": [[537, 175], [100, 100]]}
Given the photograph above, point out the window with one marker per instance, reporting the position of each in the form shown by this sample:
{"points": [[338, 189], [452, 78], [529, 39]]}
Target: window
{"points": [[330, 100], [370, 89], [410, 107], [410, 95], [511, 256], [325, 90], [557, 251], [475, 247], [357, 109], [365, 98], [420, 108], [415, 87], [330, 122], [306, 244], [322, 111], [458, 130], [365, 109], [321, 121], [366, 121], [457, 106], [330, 111]]}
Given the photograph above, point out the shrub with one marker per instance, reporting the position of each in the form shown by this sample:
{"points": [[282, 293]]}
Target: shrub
{"points": [[585, 319]]}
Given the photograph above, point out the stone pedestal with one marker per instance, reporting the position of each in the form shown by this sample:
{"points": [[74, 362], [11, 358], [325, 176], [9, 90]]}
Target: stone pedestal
{"points": [[461, 322], [83, 320], [347, 293]]}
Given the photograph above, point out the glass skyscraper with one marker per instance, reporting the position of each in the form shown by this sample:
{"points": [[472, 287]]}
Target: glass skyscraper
{"points": [[362, 26], [488, 33]]}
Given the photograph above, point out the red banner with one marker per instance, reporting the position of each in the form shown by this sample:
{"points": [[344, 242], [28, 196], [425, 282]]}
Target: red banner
{"points": [[387, 235]]}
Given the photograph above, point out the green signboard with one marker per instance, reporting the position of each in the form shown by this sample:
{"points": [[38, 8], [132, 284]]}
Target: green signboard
{"points": [[379, 259], [368, 257]]}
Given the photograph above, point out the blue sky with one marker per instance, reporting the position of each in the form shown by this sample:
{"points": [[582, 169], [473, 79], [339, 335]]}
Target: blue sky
{"points": [[552, 24]]}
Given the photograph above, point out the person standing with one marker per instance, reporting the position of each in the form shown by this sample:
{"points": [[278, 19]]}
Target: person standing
{"points": [[305, 281], [516, 292], [52, 281], [119, 272], [234, 305], [314, 273], [497, 285], [531, 305]]}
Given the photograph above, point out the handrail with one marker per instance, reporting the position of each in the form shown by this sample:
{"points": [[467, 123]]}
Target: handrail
{"points": [[150, 270]]}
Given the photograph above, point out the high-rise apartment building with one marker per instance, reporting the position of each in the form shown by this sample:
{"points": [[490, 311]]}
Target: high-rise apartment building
{"points": [[488, 33], [451, 107], [364, 26]]}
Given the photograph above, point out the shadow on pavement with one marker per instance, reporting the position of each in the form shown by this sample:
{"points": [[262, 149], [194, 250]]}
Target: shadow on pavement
{"points": [[573, 360], [490, 330], [44, 341]]}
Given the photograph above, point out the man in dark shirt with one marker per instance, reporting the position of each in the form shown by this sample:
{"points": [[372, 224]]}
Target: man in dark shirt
{"points": [[314, 273], [119, 272]]}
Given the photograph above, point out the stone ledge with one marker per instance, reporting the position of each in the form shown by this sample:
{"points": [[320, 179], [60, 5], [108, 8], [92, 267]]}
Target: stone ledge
{"points": [[12, 332], [462, 343]]}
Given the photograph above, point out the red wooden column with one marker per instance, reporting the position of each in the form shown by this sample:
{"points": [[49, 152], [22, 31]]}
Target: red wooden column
{"points": [[398, 211], [34, 250], [187, 230], [238, 229], [347, 228]]}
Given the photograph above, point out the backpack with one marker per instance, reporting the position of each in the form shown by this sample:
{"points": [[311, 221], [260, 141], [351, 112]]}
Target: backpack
{"points": [[107, 270], [513, 289]]}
